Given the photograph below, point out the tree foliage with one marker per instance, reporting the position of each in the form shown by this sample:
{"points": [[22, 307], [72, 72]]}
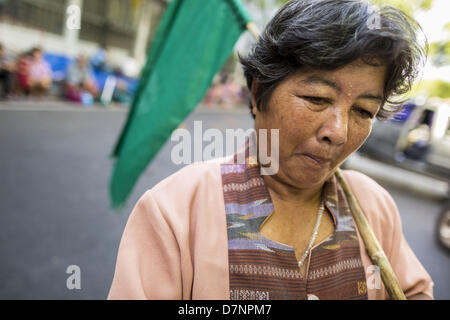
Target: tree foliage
{"points": [[408, 6], [432, 88]]}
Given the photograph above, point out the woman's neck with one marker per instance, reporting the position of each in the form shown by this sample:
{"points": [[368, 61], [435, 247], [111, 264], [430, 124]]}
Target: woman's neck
{"points": [[290, 195]]}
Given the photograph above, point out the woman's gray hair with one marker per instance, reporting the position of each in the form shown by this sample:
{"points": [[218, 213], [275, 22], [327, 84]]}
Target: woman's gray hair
{"points": [[328, 34]]}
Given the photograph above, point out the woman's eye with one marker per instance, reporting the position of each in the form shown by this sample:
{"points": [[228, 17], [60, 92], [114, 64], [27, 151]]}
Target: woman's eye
{"points": [[364, 113], [317, 100]]}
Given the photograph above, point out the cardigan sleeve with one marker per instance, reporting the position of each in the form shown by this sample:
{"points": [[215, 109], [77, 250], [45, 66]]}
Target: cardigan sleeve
{"points": [[174, 245], [148, 260]]}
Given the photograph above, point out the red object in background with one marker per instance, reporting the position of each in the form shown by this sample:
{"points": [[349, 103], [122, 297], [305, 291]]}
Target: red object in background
{"points": [[73, 93], [23, 69]]}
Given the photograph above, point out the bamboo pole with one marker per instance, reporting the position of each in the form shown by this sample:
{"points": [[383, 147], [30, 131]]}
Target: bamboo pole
{"points": [[373, 247], [253, 29]]}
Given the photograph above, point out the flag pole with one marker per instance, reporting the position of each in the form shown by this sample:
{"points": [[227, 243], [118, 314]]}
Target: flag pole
{"points": [[253, 29], [373, 247]]}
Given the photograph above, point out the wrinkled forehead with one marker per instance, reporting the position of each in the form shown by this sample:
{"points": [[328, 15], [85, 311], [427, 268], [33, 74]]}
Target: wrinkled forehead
{"points": [[357, 75]]}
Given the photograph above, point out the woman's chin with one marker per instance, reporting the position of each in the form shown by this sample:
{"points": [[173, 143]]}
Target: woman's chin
{"points": [[306, 172], [303, 179]]}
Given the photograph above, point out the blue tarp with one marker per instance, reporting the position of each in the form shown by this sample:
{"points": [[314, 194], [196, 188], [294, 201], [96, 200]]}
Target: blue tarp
{"points": [[60, 64]]}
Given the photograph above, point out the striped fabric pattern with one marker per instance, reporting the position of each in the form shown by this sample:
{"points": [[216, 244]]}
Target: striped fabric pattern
{"points": [[261, 269]]}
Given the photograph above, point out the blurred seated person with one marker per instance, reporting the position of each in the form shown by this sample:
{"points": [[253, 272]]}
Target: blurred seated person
{"points": [[40, 74], [6, 71], [80, 80], [23, 63]]}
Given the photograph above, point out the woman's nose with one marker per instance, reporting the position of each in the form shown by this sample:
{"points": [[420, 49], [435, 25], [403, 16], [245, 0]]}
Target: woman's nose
{"points": [[334, 128]]}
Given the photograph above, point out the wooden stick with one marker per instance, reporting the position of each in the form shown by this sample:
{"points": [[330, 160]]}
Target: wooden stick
{"points": [[253, 28], [373, 247]]}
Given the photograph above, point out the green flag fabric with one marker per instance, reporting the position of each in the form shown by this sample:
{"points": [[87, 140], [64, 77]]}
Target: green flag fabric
{"points": [[192, 42]]}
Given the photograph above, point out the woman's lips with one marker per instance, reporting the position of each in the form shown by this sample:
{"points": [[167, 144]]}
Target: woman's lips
{"points": [[316, 160]]}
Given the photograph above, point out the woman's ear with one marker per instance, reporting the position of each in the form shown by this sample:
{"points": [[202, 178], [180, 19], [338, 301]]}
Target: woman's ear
{"points": [[253, 91]]}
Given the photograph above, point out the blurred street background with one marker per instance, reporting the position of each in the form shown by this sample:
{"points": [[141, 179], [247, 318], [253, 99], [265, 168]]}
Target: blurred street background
{"points": [[57, 134]]}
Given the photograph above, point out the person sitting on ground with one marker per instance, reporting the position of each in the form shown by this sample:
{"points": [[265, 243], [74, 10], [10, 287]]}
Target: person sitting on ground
{"points": [[40, 74], [22, 83], [6, 70], [80, 79]]}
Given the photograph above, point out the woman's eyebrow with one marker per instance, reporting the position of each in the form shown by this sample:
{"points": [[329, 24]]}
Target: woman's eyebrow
{"points": [[314, 79], [375, 97]]}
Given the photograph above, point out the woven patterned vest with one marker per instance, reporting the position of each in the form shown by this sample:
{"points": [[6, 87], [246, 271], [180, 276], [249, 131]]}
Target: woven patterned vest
{"points": [[264, 269]]}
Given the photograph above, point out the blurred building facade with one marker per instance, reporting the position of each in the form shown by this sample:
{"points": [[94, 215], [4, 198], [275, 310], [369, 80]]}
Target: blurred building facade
{"points": [[124, 27]]}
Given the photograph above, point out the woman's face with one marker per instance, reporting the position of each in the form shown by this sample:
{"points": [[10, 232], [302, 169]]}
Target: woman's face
{"points": [[322, 117]]}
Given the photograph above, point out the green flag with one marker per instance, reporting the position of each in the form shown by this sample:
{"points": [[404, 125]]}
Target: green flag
{"points": [[193, 41]]}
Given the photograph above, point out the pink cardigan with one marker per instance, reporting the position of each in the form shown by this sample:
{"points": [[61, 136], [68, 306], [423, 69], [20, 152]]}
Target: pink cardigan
{"points": [[175, 243]]}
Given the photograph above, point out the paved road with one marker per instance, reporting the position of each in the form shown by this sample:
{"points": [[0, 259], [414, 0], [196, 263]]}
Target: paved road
{"points": [[54, 203]]}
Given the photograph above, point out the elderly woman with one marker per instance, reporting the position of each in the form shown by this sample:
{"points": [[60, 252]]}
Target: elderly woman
{"points": [[320, 73]]}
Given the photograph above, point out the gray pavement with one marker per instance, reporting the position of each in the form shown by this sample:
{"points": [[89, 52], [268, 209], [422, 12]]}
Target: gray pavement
{"points": [[54, 203]]}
